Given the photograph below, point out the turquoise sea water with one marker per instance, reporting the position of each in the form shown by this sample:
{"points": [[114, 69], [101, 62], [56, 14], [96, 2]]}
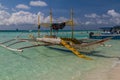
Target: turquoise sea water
{"points": [[53, 63]]}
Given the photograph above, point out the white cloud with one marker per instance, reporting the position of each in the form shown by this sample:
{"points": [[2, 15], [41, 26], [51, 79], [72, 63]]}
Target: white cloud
{"points": [[22, 6], [38, 3], [23, 17], [88, 23], [3, 17], [114, 17], [61, 19], [47, 19], [111, 17], [113, 13], [93, 15]]}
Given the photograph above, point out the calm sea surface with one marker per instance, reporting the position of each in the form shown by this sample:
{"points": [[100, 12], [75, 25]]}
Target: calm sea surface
{"points": [[53, 63]]}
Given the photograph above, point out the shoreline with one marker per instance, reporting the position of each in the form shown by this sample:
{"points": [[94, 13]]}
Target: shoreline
{"points": [[110, 72], [113, 74]]}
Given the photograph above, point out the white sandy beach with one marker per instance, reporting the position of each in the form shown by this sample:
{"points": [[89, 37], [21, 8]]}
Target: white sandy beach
{"points": [[111, 73], [114, 73]]}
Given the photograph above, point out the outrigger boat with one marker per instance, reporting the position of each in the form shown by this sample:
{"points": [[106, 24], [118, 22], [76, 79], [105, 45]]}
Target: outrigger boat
{"points": [[113, 32], [72, 43]]}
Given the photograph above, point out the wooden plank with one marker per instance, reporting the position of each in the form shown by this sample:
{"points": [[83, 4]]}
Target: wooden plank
{"points": [[12, 49], [35, 46], [74, 50]]}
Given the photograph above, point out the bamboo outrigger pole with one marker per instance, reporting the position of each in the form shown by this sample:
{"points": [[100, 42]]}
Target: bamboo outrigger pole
{"points": [[38, 25], [72, 24], [50, 22]]}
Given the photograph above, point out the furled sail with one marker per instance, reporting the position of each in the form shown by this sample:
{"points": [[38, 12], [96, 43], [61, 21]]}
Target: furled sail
{"points": [[57, 26]]}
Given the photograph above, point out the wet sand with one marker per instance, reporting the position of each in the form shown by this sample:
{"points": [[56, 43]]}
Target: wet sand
{"points": [[114, 73], [101, 73]]}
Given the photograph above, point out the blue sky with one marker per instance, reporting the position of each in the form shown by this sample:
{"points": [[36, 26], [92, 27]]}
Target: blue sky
{"points": [[87, 13]]}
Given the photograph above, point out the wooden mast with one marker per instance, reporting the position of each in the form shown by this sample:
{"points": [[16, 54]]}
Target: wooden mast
{"points": [[50, 22], [72, 25], [38, 25]]}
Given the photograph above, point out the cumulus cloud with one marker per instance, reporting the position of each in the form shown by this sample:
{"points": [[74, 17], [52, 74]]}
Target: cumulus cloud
{"points": [[114, 16], [38, 3], [113, 13], [3, 17], [111, 17], [22, 6], [23, 17]]}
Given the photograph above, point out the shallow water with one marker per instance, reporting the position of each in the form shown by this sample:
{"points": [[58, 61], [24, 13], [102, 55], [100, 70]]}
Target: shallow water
{"points": [[53, 63]]}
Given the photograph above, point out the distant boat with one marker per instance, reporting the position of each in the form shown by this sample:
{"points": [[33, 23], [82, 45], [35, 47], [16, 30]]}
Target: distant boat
{"points": [[113, 32]]}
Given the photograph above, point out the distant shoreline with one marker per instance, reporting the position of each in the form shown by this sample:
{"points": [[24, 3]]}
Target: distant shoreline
{"points": [[42, 30]]}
